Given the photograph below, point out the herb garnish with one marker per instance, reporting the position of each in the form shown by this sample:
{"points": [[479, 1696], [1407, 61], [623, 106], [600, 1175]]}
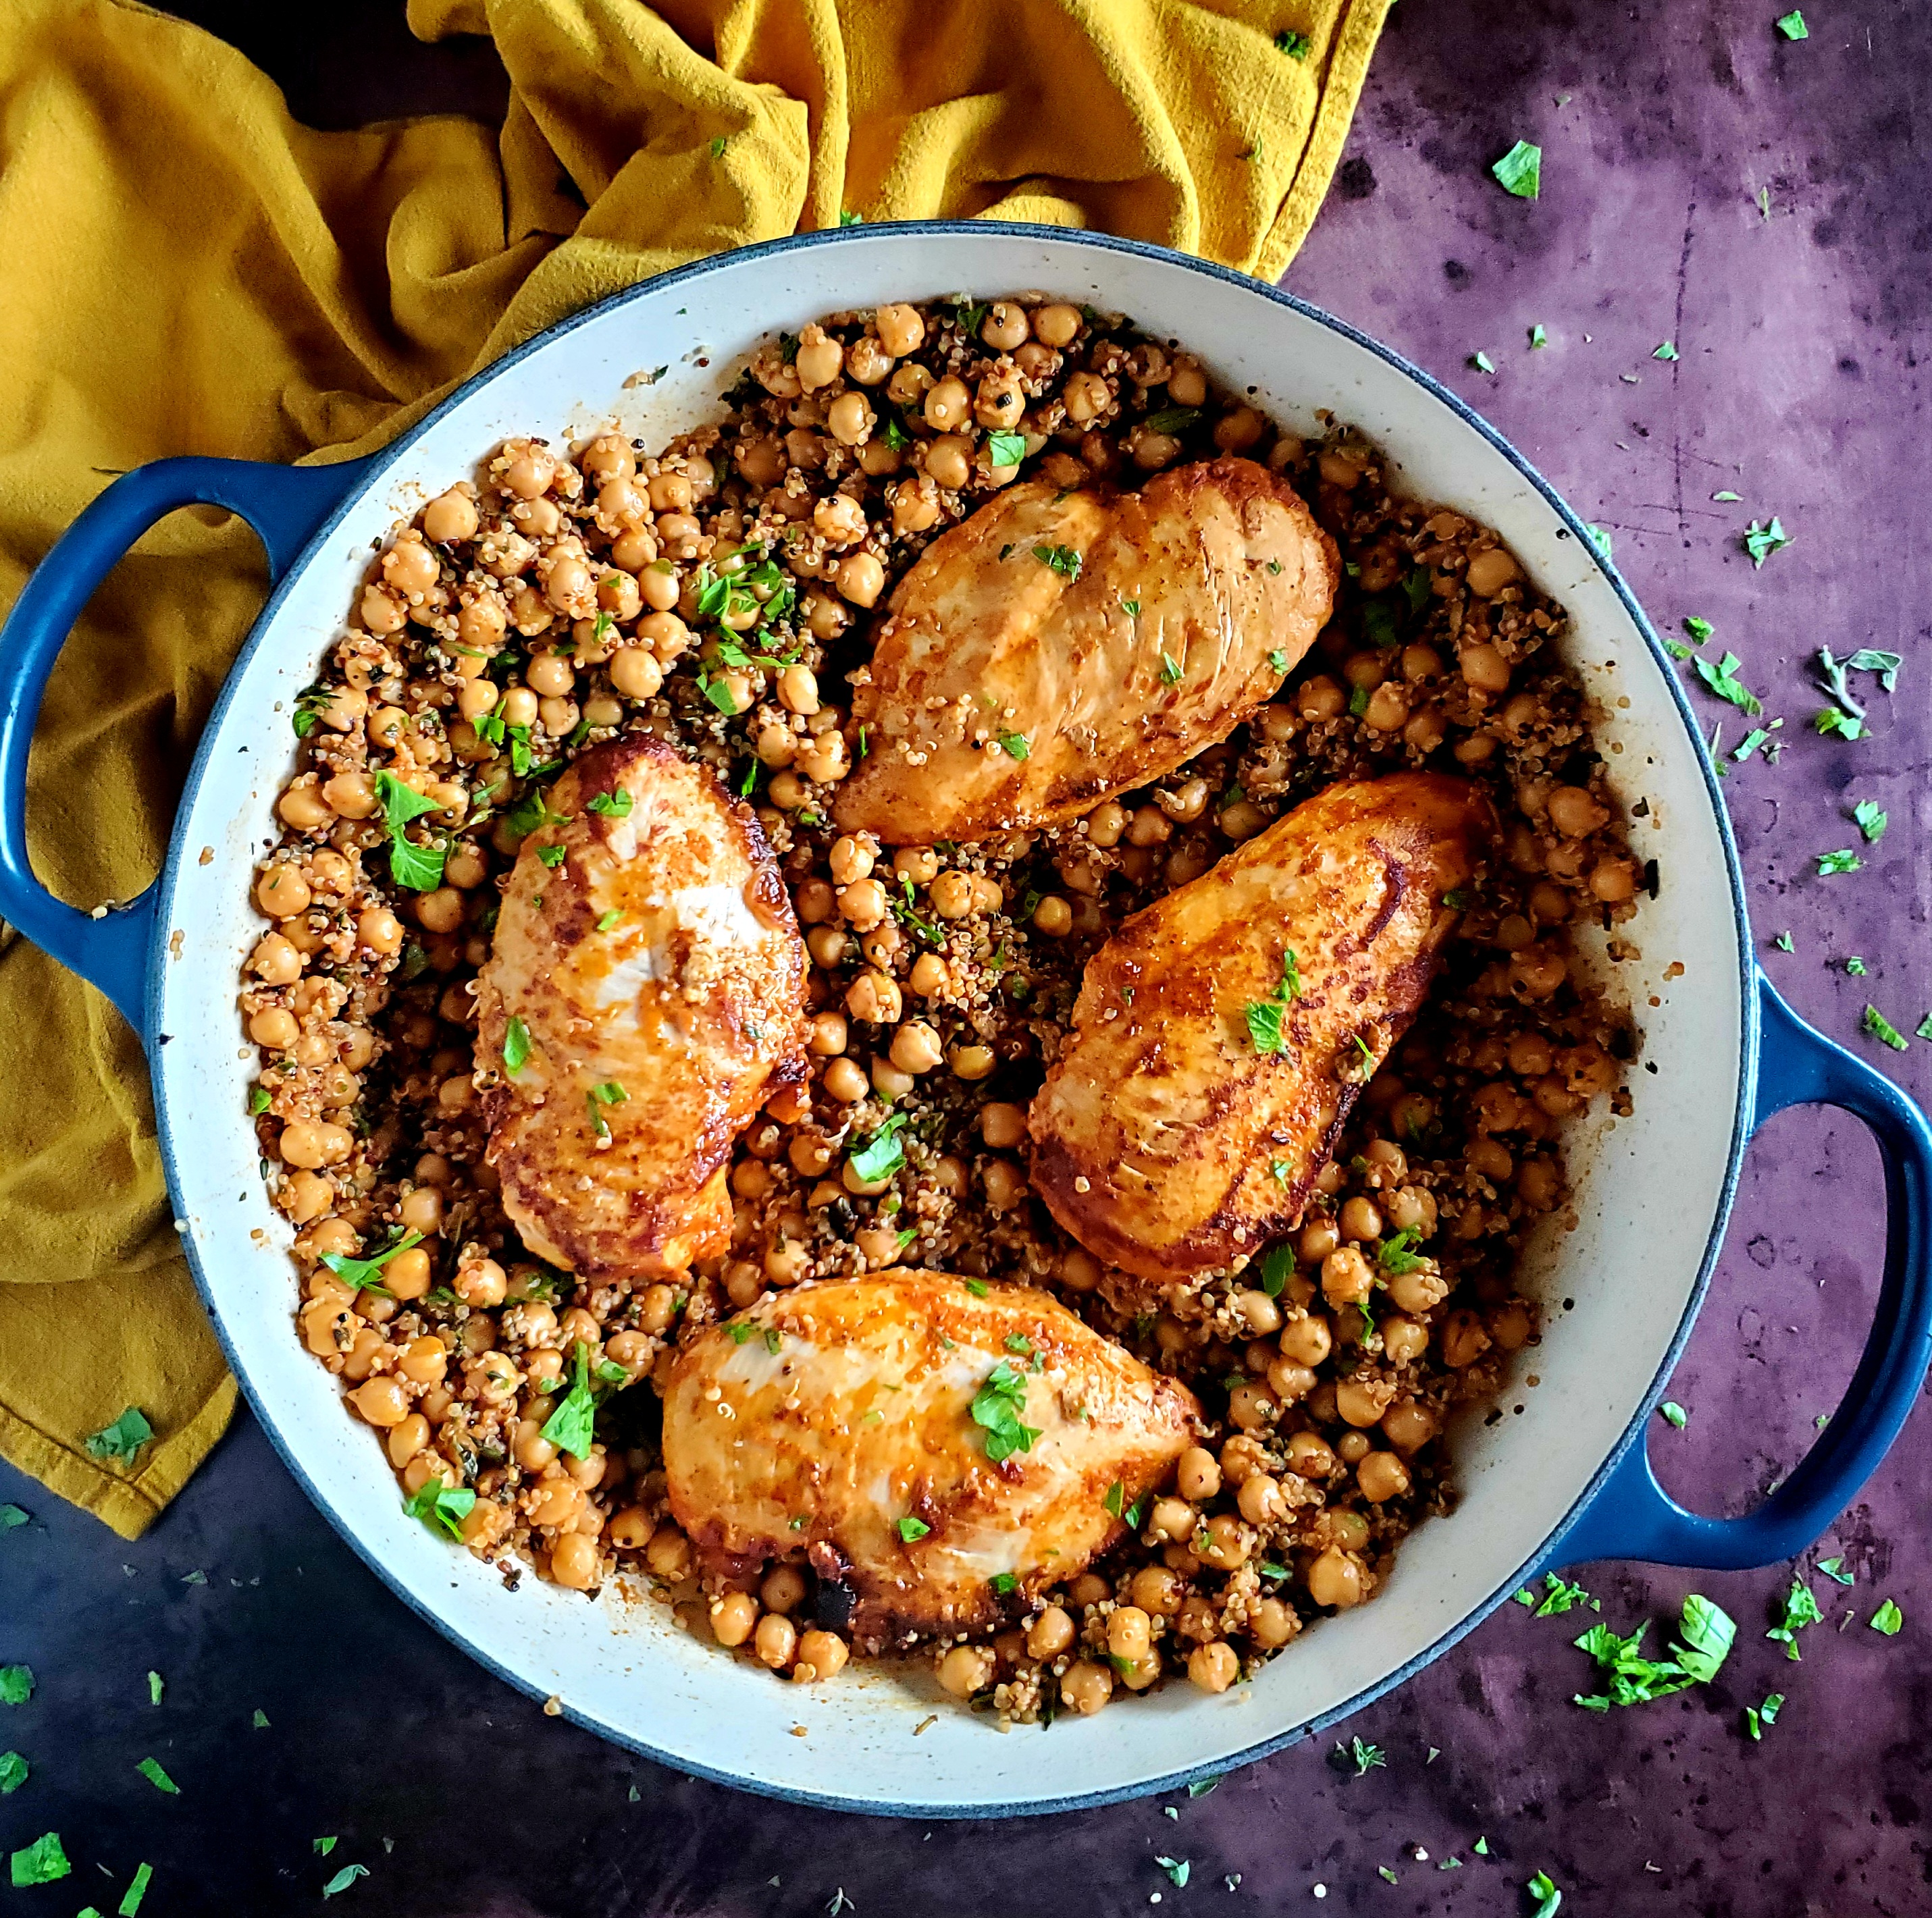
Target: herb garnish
{"points": [[882, 1155], [1365, 1757], [1844, 860], [1707, 1634], [124, 1439], [358, 1273], [1263, 1017], [1520, 171], [16, 1684], [613, 805], [1015, 744], [609, 1093], [568, 1427], [418, 867], [150, 1768], [14, 1770], [1792, 25], [1063, 559], [1722, 680], [439, 1504], [998, 1407], [1277, 1265], [1761, 542], [1879, 1027], [1170, 670], [1005, 449], [1888, 1618], [1872, 820], [1548, 1899], [39, 1863], [516, 1044], [1800, 1609], [1296, 45], [1176, 1868], [911, 1528]]}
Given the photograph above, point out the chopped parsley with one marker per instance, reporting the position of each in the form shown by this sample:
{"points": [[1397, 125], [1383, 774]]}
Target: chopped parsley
{"points": [[1063, 559], [1761, 542], [1856, 966], [156, 1684], [419, 868], [1667, 351], [1365, 1757], [1558, 1598], [1722, 680], [124, 1439], [610, 1093], [1878, 1027], [41, 1863], [1800, 1609], [1176, 1868], [1888, 1620], [911, 1528], [1706, 1635], [1005, 449], [1700, 629], [613, 805], [1014, 745], [1756, 1717], [258, 1101], [438, 1504], [1872, 820], [1792, 25], [996, 1409], [358, 1273], [568, 1427], [347, 1876], [1170, 670], [1173, 419], [1548, 1899], [16, 1684], [1131, 607], [1263, 1017], [1833, 1569], [717, 153], [1674, 1413], [1600, 538], [1278, 660], [1481, 361], [1520, 171], [14, 1770], [516, 1044], [1296, 45], [150, 1768], [1538, 337], [1394, 1256], [1277, 1263], [1003, 1582], [1843, 861], [882, 1155], [979, 1288]]}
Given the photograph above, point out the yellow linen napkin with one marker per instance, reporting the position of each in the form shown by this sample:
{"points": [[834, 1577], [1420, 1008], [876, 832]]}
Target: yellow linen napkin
{"points": [[190, 272]]}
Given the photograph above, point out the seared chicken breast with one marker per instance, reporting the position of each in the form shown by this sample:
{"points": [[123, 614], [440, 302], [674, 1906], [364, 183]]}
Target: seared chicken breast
{"points": [[1221, 1036], [644, 994], [1060, 647], [917, 1441]]}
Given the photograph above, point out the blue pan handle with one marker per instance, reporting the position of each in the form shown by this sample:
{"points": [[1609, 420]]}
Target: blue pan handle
{"points": [[1631, 1515], [284, 504]]}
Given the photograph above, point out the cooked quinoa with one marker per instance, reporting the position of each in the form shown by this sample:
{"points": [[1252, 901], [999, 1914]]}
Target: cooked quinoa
{"points": [[715, 593]]}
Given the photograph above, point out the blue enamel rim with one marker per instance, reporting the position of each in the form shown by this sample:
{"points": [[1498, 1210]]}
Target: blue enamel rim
{"points": [[370, 475]]}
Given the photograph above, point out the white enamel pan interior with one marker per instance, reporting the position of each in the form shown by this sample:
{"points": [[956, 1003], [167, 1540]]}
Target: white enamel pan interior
{"points": [[1652, 1189]]}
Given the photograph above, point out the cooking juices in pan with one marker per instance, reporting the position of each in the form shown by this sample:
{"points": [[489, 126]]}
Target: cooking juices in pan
{"points": [[1106, 1443]]}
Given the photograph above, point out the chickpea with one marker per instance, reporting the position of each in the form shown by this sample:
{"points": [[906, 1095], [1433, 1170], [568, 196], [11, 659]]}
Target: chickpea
{"points": [[916, 1047], [1225, 1542], [1214, 1667], [1129, 1633], [788, 1262], [971, 1062], [1336, 1579], [1261, 1500], [949, 460], [575, 1562], [820, 1654], [1381, 1476], [844, 1082], [1360, 1220], [820, 360], [947, 404], [1197, 1475], [1174, 1519], [874, 997], [861, 578], [668, 1555], [1307, 1340], [282, 893], [1346, 1278], [966, 1670], [863, 903], [1309, 1455], [900, 329], [734, 1618], [1574, 812], [310, 1143], [1489, 571], [1005, 1185], [481, 1284]]}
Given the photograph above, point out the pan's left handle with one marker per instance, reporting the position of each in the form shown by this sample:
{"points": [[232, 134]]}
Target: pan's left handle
{"points": [[285, 504]]}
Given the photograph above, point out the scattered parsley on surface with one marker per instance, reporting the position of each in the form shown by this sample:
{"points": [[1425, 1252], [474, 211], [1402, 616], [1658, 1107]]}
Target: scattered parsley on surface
{"points": [[1705, 1635], [1520, 171], [1202, 1787], [1538, 337], [156, 1687], [911, 1528], [1722, 680], [124, 1439], [1296, 45], [997, 1409], [439, 1504], [1844, 860], [1675, 1413], [1668, 351], [1548, 1899], [1833, 1569], [1063, 559], [1761, 542], [347, 1876], [1482, 362], [1365, 1757], [1888, 1618], [39, 1863], [1879, 1027], [1792, 25], [150, 1768], [10, 1516], [1872, 820], [1600, 538], [1756, 1717], [14, 1770], [1800, 1610], [1176, 1868], [1782, 942]]}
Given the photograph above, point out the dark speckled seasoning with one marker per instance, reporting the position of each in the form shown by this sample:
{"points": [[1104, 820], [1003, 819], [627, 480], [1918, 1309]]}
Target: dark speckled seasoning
{"points": [[1667, 132]]}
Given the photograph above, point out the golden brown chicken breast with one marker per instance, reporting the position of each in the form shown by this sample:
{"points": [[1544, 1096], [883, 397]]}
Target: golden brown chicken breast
{"points": [[1221, 1036], [645, 993], [918, 1441], [1059, 646]]}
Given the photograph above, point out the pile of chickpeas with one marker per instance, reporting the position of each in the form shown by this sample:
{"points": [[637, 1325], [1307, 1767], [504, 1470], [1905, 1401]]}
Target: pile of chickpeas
{"points": [[558, 599]]}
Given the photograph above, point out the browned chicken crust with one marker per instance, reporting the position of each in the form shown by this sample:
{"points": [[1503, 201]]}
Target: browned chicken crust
{"points": [[1006, 690], [1165, 1139], [659, 976], [838, 1417]]}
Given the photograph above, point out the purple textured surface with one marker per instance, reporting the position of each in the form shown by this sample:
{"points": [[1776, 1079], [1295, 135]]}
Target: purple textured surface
{"points": [[1799, 387]]}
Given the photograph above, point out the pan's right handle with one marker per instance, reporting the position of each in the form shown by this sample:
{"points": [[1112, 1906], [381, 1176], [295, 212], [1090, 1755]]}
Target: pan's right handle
{"points": [[1631, 1515], [285, 504]]}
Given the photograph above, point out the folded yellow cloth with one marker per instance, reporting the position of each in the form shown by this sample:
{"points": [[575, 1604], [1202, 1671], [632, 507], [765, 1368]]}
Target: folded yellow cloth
{"points": [[192, 272]]}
